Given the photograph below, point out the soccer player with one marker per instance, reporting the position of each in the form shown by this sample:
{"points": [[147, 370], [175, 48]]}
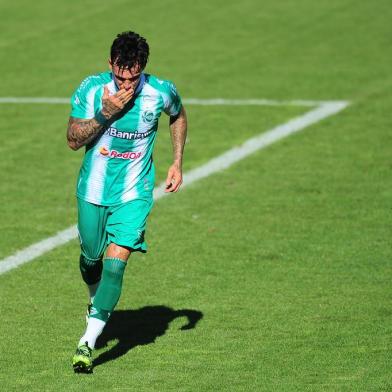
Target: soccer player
{"points": [[115, 115]]}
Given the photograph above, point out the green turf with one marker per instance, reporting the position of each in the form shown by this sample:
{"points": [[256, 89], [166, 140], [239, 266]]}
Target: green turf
{"points": [[44, 170], [282, 261]]}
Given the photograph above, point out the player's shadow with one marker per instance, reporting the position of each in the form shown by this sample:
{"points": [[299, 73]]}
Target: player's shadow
{"points": [[139, 327]]}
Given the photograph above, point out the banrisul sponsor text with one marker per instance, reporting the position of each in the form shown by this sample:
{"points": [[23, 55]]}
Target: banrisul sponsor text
{"points": [[134, 135]]}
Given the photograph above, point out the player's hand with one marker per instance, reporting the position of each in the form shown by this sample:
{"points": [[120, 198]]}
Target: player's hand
{"points": [[174, 178], [113, 104]]}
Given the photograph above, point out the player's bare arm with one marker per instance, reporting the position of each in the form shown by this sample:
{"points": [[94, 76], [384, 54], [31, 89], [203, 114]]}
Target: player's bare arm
{"points": [[81, 132], [178, 129]]}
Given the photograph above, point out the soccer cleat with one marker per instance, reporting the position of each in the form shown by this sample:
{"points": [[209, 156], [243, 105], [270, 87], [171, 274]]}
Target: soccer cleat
{"points": [[88, 311], [82, 361]]}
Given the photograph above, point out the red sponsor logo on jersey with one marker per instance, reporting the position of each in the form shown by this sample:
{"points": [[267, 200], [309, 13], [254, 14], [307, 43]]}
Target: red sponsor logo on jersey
{"points": [[122, 155]]}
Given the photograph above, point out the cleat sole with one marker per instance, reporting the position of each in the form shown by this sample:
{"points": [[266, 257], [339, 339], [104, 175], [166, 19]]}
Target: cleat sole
{"points": [[80, 367]]}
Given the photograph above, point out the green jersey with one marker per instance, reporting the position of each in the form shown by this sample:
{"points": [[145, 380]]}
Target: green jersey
{"points": [[118, 166]]}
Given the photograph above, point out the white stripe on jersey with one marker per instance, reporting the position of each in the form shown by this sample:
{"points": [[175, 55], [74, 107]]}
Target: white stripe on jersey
{"points": [[97, 176], [90, 101], [133, 172], [148, 103]]}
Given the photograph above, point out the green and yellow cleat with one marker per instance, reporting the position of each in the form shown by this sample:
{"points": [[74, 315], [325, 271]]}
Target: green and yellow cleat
{"points": [[82, 361]]}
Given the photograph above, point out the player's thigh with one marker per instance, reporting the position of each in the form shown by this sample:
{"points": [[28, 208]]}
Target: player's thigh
{"points": [[92, 221], [126, 224]]}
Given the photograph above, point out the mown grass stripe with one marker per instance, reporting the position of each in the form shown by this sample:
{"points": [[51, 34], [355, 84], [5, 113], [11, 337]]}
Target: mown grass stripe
{"points": [[188, 101], [219, 163]]}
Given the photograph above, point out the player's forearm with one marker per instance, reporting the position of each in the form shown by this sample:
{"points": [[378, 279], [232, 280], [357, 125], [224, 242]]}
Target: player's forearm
{"points": [[178, 130], [81, 132]]}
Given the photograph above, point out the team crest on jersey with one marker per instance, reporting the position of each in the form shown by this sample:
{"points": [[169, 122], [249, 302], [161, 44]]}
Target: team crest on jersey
{"points": [[148, 116]]}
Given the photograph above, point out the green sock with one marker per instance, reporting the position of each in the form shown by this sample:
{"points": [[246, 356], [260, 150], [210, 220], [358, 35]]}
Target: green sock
{"points": [[109, 289]]}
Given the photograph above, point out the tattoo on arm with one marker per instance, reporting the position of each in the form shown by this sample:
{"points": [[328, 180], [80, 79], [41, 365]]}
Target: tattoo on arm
{"points": [[81, 132], [178, 129]]}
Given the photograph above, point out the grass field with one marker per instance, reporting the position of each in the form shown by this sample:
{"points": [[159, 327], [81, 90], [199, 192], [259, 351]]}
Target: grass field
{"points": [[278, 268]]}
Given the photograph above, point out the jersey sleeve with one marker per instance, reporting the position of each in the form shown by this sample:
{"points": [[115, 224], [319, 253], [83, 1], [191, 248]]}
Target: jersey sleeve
{"points": [[82, 101], [171, 100]]}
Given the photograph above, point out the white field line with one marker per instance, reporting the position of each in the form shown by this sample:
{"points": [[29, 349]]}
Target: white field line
{"points": [[188, 101], [219, 163]]}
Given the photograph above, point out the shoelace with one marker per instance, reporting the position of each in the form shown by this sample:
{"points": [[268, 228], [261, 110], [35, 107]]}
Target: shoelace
{"points": [[85, 350]]}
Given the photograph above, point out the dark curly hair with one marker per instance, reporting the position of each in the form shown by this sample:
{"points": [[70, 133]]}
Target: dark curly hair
{"points": [[129, 49]]}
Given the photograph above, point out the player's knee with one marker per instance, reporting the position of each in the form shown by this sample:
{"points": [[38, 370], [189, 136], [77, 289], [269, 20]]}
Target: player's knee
{"points": [[92, 246], [92, 250], [91, 269]]}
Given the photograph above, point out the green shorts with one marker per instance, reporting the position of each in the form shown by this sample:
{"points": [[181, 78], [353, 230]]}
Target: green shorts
{"points": [[123, 224]]}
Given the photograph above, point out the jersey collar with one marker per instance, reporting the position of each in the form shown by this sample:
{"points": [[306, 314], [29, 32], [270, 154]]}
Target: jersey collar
{"points": [[140, 85]]}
